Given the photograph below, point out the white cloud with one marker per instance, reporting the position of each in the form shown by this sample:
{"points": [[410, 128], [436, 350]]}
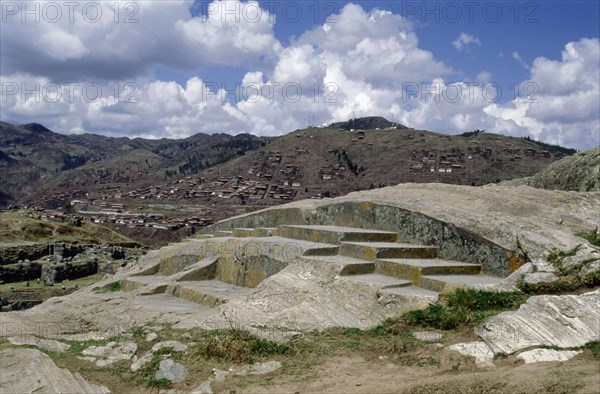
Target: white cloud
{"points": [[158, 33], [517, 56], [464, 42], [367, 58]]}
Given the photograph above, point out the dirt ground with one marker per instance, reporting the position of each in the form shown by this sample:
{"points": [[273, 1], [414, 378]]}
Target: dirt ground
{"points": [[428, 371]]}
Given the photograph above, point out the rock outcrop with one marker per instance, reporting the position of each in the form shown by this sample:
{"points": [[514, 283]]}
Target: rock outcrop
{"points": [[580, 172], [567, 321], [27, 371]]}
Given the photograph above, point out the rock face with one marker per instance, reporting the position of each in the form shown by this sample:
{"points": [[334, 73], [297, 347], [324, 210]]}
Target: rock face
{"points": [[31, 371], [563, 321], [459, 219], [580, 172]]}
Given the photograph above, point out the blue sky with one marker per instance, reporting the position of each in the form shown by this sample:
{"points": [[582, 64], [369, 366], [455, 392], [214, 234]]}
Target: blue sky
{"points": [[174, 55]]}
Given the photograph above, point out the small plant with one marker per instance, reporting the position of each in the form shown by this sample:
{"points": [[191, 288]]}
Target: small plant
{"points": [[464, 306], [591, 236], [569, 276], [138, 333], [238, 346], [594, 347], [519, 248], [111, 287], [556, 256]]}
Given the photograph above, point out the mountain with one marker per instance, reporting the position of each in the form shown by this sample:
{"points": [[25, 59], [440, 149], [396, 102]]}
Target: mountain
{"points": [[42, 167], [329, 161], [34, 159]]}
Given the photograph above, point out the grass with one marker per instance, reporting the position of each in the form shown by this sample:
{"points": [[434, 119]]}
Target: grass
{"points": [[591, 236], [464, 307], [111, 287], [221, 348], [16, 227], [237, 346]]}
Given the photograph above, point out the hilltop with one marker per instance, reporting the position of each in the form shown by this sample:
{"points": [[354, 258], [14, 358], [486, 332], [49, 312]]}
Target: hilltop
{"points": [[327, 162], [367, 123]]}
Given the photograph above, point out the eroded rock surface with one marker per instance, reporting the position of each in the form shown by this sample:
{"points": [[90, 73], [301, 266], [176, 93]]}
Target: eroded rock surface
{"points": [[567, 321], [31, 371]]}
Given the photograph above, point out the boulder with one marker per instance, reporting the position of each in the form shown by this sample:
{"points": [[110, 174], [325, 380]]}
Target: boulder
{"points": [[534, 278], [484, 356], [545, 355], [171, 370], [564, 321]]}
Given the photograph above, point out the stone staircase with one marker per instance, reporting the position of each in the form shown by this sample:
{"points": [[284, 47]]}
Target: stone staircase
{"points": [[375, 258]]}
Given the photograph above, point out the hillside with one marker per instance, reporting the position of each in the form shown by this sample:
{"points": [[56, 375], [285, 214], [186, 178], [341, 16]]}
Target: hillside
{"points": [[24, 227], [330, 162], [35, 160], [134, 184]]}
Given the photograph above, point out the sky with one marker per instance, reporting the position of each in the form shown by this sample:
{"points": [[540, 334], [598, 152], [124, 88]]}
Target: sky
{"points": [[175, 68]]}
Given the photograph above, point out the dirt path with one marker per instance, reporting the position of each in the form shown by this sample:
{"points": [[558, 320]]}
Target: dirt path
{"points": [[449, 373]]}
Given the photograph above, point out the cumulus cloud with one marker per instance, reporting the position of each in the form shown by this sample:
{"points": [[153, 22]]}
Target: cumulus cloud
{"points": [[464, 42], [366, 63], [119, 41]]}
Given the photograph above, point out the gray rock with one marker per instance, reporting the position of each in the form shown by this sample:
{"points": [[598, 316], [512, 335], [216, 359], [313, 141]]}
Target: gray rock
{"points": [[535, 278], [151, 337], [484, 356], [545, 355], [510, 282], [565, 321], [428, 336], [171, 370], [220, 375], [173, 345], [31, 371], [589, 268], [140, 362], [584, 253], [111, 353], [48, 344]]}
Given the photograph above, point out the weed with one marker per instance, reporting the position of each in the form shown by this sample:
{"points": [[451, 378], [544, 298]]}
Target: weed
{"points": [[464, 306], [111, 287], [237, 346], [556, 256], [591, 236], [519, 248], [594, 346], [500, 356], [138, 333]]}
